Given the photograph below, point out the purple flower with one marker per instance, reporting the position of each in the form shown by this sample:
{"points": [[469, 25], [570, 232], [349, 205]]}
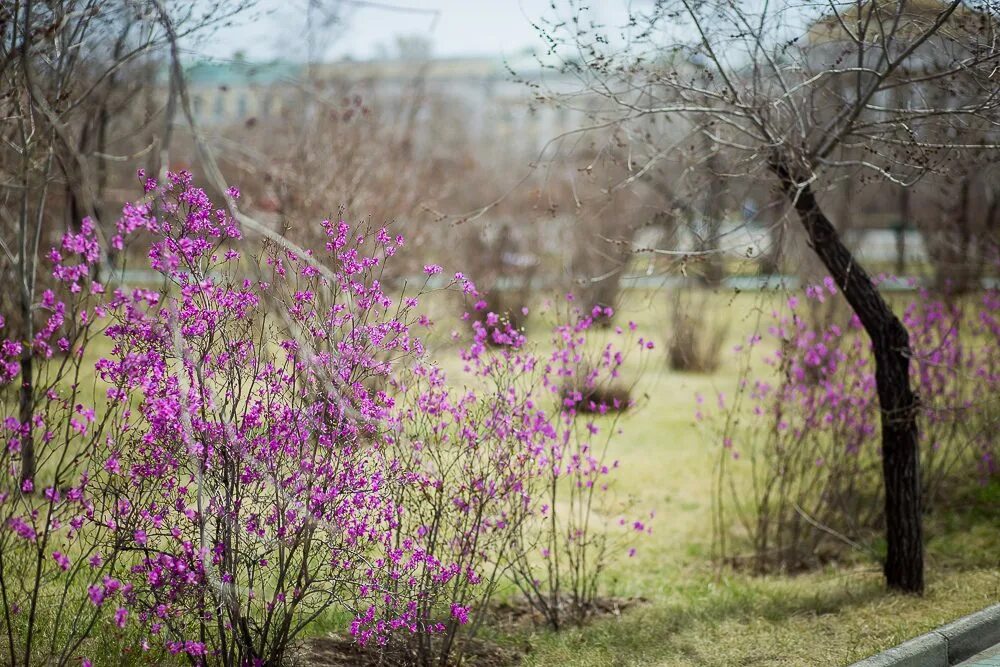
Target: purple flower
{"points": [[460, 613], [61, 560]]}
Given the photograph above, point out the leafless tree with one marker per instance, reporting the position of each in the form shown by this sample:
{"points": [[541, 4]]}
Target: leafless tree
{"points": [[802, 94], [72, 74]]}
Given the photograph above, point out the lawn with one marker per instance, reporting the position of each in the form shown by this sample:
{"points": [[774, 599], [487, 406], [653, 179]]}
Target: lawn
{"points": [[700, 614], [694, 611]]}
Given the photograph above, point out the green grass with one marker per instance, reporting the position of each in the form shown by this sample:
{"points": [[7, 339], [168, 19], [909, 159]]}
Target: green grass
{"points": [[826, 618], [698, 613]]}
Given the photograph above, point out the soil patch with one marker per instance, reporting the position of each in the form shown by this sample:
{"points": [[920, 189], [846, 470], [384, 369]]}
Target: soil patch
{"points": [[512, 616], [340, 651], [517, 613]]}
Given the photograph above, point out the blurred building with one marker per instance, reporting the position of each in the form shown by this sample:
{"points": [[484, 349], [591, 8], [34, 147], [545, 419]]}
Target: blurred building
{"points": [[494, 97]]}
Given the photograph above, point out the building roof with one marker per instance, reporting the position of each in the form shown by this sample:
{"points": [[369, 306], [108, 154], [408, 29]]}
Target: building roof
{"points": [[916, 17], [243, 73]]}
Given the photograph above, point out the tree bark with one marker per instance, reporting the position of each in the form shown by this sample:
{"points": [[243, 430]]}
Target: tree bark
{"points": [[713, 213], [904, 564], [901, 227]]}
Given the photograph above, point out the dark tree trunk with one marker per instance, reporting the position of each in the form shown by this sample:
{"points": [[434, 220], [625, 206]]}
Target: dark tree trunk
{"points": [[901, 227], [26, 393], [26, 280], [713, 212], [965, 265], [26, 409], [904, 565]]}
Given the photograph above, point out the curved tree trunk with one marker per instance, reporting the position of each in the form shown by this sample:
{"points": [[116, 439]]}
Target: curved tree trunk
{"points": [[904, 565]]}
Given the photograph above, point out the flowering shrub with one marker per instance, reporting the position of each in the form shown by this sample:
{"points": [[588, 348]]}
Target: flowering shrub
{"points": [[471, 462], [49, 556], [506, 479], [251, 488], [574, 540], [956, 369], [807, 432], [267, 443]]}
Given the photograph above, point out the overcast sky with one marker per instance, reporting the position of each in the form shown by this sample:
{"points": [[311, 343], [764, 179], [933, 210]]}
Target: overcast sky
{"points": [[276, 28]]}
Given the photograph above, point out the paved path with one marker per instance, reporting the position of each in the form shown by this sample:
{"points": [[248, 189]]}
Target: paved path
{"points": [[988, 658]]}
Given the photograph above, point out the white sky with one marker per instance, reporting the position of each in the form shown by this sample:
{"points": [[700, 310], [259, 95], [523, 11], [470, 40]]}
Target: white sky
{"points": [[276, 28]]}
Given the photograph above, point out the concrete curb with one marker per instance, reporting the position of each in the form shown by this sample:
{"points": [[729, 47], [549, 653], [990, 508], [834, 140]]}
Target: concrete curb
{"points": [[945, 646]]}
